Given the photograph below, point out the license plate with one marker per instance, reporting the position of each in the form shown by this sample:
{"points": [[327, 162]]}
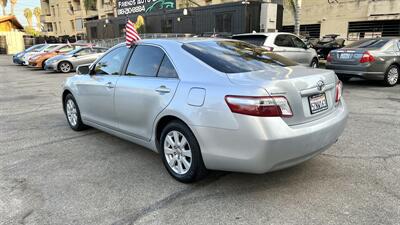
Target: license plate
{"points": [[345, 56], [318, 103]]}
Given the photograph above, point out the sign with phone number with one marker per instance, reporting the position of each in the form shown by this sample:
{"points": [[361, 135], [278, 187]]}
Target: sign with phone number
{"points": [[128, 7]]}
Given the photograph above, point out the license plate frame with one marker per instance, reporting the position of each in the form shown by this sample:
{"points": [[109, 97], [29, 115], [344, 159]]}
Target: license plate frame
{"points": [[317, 103], [345, 56]]}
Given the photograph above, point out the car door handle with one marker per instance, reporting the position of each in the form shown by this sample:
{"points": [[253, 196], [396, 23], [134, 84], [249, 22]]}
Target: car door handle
{"points": [[110, 85], [162, 89]]}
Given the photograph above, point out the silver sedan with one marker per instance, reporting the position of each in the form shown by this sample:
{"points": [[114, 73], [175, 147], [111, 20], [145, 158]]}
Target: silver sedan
{"points": [[209, 104], [70, 61]]}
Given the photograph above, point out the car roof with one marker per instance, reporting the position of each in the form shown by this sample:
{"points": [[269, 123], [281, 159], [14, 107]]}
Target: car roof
{"points": [[167, 41], [262, 34]]}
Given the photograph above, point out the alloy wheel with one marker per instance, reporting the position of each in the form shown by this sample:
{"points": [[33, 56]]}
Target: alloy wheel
{"points": [[177, 152], [71, 112], [65, 67], [393, 75]]}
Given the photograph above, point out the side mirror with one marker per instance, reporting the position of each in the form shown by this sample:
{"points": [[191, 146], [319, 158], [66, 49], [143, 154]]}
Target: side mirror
{"points": [[83, 69], [75, 55], [58, 51]]}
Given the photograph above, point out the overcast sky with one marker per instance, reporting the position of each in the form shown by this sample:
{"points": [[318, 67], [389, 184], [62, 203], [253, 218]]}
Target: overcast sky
{"points": [[19, 9]]}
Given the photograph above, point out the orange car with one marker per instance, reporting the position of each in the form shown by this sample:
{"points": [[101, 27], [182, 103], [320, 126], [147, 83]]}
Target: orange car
{"points": [[38, 60]]}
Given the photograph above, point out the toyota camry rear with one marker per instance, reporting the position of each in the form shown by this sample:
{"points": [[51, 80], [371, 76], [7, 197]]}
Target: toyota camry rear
{"points": [[209, 104]]}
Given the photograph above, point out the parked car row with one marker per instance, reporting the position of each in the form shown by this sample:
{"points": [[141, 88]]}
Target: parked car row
{"points": [[371, 58], [58, 57]]}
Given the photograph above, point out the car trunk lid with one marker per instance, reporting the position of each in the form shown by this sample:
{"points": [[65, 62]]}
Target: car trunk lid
{"points": [[298, 84]]}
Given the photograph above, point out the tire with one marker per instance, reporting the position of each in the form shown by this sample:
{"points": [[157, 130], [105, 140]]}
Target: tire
{"points": [[314, 63], [43, 64], [391, 76], [184, 163], [344, 78], [65, 67], [73, 114]]}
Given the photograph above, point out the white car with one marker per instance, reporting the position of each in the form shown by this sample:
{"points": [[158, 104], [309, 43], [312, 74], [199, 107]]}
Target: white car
{"points": [[45, 48], [285, 44]]}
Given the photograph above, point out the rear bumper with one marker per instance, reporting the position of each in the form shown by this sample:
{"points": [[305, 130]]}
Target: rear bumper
{"points": [[363, 71], [266, 144]]}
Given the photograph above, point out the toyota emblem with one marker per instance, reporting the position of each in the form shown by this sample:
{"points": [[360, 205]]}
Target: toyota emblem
{"points": [[320, 85]]}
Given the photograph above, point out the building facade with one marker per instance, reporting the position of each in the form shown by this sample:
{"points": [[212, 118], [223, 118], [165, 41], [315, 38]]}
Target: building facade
{"points": [[196, 17], [351, 19], [68, 17]]}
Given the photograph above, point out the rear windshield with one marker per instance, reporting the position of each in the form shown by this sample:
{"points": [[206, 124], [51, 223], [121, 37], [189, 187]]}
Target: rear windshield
{"points": [[235, 56], [258, 40], [368, 43]]}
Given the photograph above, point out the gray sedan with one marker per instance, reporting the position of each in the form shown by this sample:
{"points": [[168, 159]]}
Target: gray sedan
{"points": [[70, 61], [208, 104], [375, 59]]}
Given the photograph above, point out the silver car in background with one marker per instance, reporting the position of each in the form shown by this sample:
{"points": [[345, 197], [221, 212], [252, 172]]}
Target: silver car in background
{"points": [[284, 44], [209, 104], [374, 59], [70, 61]]}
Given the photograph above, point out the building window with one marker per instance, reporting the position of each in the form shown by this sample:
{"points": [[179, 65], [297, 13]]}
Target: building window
{"points": [[55, 27], [93, 32], [73, 25], [54, 10], [307, 30], [79, 25], [223, 22], [371, 29]]}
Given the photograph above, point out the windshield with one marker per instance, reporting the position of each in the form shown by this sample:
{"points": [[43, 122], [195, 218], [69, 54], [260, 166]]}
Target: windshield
{"points": [[50, 47], [235, 56], [34, 48], [368, 43], [258, 40]]}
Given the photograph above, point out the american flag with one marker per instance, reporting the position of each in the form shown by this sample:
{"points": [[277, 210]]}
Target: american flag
{"points": [[131, 34]]}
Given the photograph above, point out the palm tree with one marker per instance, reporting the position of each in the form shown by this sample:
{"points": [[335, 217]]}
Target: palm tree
{"points": [[13, 3], [296, 9], [28, 15], [37, 12], [3, 4]]}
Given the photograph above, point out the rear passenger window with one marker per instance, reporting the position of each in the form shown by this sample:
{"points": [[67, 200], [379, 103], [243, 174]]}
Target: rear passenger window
{"points": [[145, 61], [284, 41], [167, 69]]}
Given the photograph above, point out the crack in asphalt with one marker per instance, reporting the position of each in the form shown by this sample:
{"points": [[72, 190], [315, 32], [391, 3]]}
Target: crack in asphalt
{"points": [[49, 143], [165, 202], [362, 157]]}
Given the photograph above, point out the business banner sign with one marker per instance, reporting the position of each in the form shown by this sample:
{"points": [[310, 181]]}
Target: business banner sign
{"points": [[129, 7]]}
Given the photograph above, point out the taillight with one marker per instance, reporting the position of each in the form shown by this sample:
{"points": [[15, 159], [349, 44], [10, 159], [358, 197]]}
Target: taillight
{"points": [[329, 58], [268, 48], [339, 91], [259, 106], [367, 57]]}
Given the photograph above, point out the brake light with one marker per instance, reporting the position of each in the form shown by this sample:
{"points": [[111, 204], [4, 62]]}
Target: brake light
{"points": [[339, 91], [268, 48], [263, 106], [367, 57], [329, 58]]}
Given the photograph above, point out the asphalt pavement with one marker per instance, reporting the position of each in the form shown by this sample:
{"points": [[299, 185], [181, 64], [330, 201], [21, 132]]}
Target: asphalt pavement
{"points": [[50, 174]]}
